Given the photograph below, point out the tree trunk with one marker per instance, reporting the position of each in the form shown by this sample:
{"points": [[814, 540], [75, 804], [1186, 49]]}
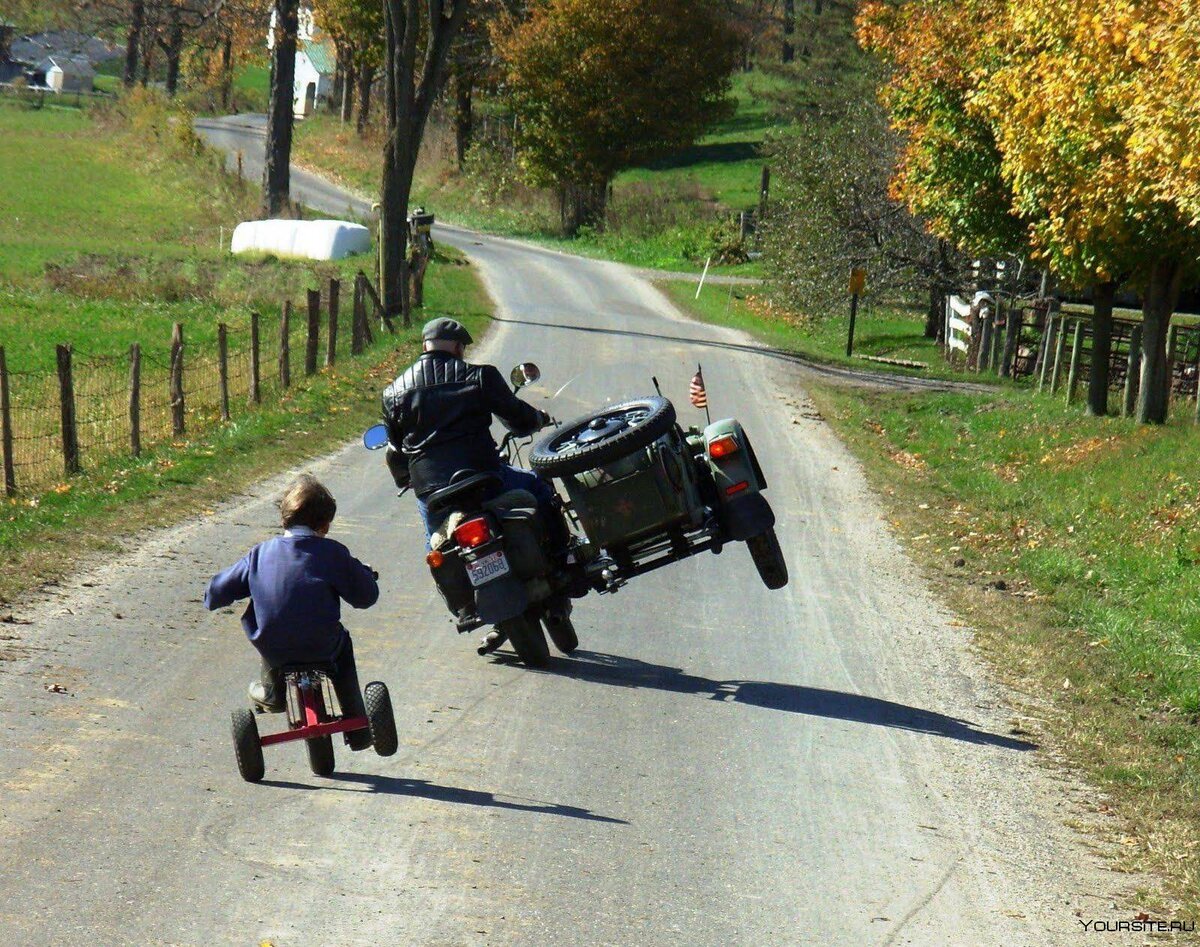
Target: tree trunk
{"points": [[174, 51], [366, 79], [226, 72], [280, 115], [1162, 292], [933, 316], [583, 205], [464, 83], [147, 62], [137, 13], [347, 90], [1102, 326], [789, 29]]}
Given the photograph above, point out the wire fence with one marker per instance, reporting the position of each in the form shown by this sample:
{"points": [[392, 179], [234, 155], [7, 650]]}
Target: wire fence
{"points": [[96, 407]]}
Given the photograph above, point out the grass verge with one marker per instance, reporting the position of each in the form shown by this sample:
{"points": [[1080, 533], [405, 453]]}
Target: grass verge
{"points": [[883, 332]]}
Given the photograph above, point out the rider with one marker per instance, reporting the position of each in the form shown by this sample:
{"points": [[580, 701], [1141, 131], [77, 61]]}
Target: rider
{"points": [[438, 415]]}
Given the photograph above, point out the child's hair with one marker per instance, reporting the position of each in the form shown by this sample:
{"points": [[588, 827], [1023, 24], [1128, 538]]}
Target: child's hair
{"points": [[307, 503]]}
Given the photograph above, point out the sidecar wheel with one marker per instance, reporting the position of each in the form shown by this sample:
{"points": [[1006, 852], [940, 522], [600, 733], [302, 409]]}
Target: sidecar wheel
{"points": [[249, 752], [562, 632], [768, 559], [528, 640]]}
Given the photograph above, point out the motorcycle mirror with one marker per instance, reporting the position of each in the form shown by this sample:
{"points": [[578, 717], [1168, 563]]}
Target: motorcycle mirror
{"points": [[375, 437], [524, 374]]}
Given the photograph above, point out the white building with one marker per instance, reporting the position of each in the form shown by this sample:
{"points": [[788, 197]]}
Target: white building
{"points": [[65, 74], [316, 63]]}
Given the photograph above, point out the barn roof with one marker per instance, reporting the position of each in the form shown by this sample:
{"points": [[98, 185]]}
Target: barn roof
{"points": [[321, 55], [69, 66]]}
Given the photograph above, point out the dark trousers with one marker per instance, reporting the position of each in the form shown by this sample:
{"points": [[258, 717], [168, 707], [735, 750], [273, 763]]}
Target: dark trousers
{"points": [[343, 675]]}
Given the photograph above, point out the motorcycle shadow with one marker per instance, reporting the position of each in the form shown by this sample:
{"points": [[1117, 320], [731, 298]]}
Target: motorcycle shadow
{"points": [[599, 668]]}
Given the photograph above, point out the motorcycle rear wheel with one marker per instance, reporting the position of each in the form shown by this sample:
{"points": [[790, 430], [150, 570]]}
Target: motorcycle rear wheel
{"points": [[527, 639]]}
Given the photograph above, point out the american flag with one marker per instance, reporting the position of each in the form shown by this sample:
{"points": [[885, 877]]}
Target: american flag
{"points": [[696, 393]]}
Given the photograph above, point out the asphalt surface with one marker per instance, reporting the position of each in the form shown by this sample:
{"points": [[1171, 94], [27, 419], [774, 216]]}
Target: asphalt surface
{"points": [[718, 764]]}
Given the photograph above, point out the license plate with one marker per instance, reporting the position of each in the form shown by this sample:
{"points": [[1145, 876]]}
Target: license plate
{"points": [[490, 567]]}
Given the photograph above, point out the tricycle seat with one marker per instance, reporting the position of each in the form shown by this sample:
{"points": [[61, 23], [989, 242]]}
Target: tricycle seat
{"points": [[464, 486]]}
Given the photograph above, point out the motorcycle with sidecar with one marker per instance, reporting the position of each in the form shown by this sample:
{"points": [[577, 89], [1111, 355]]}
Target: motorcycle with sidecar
{"points": [[641, 491]]}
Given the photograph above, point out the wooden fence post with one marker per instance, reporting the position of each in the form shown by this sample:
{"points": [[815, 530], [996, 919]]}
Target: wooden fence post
{"points": [[1049, 337], [358, 319], [984, 352], [177, 405], [6, 431], [1076, 351], [135, 399], [223, 368], [285, 326], [314, 332], [66, 402], [335, 288], [1012, 342], [379, 310], [1132, 367], [255, 353], [1060, 348]]}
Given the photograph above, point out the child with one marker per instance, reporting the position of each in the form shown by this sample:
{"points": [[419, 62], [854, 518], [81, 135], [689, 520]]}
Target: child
{"points": [[295, 583]]}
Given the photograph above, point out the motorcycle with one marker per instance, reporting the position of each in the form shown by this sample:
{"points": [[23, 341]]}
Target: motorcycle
{"points": [[642, 493]]}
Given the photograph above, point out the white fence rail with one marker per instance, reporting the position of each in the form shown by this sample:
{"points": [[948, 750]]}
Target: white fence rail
{"points": [[958, 329]]}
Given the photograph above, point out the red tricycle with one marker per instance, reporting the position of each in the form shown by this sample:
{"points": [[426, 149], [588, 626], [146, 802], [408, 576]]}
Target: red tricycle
{"points": [[310, 717]]}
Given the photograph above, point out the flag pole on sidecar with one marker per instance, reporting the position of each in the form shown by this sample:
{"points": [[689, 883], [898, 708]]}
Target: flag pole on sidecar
{"points": [[697, 393]]}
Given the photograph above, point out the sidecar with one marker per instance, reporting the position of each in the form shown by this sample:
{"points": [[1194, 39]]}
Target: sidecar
{"points": [[647, 493]]}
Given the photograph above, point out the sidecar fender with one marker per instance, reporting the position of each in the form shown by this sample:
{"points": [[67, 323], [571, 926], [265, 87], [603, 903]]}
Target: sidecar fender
{"points": [[738, 479]]}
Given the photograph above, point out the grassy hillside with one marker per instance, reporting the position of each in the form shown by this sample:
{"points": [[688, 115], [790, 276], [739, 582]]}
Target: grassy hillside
{"points": [[109, 234], [665, 215]]}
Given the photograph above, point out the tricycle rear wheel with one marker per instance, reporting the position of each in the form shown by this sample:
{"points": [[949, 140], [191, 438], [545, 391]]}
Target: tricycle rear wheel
{"points": [[383, 724], [527, 639], [768, 559], [320, 755], [247, 746]]}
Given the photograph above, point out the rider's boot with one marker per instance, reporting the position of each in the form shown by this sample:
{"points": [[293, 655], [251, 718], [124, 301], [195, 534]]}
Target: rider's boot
{"points": [[267, 694]]}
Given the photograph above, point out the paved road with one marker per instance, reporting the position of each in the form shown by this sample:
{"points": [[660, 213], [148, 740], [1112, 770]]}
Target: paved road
{"points": [[718, 764]]}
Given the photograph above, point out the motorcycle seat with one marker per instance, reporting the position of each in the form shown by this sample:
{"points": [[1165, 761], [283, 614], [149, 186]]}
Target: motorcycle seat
{"points": [[463, 489]]}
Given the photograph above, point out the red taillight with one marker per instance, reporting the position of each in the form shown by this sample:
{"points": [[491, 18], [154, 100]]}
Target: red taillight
{"points": [[736, 488], [473, 533], [722, 447]]}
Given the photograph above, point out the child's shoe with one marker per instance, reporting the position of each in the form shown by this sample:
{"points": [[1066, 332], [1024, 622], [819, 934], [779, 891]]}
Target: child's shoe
{"points": [[267, 701]]}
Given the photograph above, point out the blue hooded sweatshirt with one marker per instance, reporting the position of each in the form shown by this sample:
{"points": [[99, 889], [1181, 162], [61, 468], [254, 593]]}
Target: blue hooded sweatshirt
{"points": [[295, 583]]}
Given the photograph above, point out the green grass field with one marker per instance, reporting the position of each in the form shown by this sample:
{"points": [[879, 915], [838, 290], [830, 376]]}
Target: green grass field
{"points": [[109, 235]]}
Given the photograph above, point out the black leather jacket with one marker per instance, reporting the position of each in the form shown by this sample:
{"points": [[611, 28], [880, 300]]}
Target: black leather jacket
{"points": [[439, 417]]}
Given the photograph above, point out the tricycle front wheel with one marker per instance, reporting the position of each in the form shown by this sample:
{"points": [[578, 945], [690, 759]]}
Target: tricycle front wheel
{"points": [[768, 559], [320, 755]]}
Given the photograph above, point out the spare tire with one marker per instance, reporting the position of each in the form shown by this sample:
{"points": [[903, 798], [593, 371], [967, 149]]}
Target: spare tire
{"points": [[603, 436]]}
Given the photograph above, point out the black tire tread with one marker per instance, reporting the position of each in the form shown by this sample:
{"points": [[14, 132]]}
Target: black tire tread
{"points": [[768, 559], [528, 640], [320, 755], [660, 420], [247, 747], [383, 723], [562, 633]]}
